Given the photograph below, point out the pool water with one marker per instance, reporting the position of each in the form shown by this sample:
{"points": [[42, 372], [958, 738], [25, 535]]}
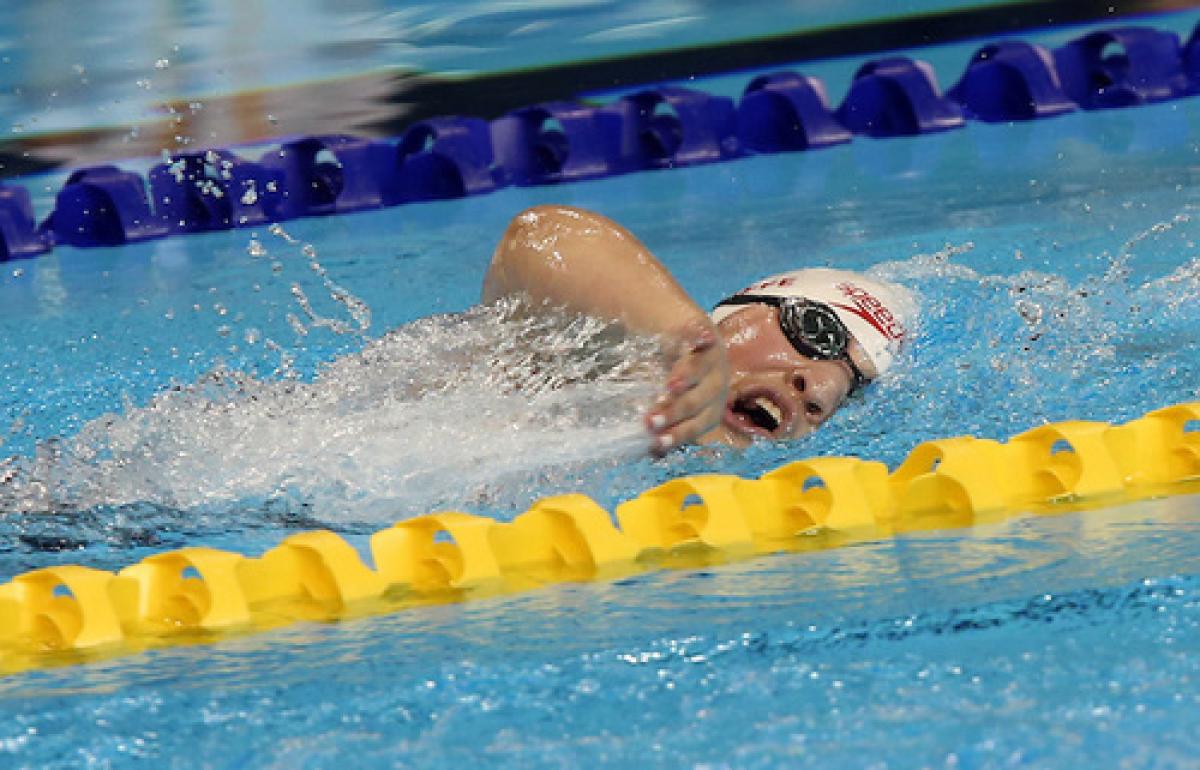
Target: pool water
{"points": [[230, 388]]}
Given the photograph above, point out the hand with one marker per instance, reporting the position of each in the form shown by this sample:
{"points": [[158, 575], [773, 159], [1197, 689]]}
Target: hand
{"points": [[696, 387]]}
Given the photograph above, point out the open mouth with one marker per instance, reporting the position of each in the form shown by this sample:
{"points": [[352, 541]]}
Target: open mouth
{"points": [[758, 413]]}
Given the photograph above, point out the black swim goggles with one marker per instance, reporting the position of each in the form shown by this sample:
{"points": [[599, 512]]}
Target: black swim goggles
{"points": [[813, 328]]}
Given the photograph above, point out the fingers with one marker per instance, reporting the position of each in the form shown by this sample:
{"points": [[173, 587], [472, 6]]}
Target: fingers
{"points": [[685, 432], [685, 376], [695, 388], [687, 411], [691, 385]]}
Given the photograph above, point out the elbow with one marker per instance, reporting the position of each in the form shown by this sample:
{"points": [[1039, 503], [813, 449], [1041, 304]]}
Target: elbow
{"points": [[536, 227], [530, 249]]}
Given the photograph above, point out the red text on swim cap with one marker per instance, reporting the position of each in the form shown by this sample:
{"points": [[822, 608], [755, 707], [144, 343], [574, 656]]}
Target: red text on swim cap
{"points": [[868, 307]]}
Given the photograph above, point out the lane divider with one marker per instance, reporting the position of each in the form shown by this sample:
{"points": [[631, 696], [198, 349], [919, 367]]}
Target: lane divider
{"points": [[70, 614], [663, 127]]}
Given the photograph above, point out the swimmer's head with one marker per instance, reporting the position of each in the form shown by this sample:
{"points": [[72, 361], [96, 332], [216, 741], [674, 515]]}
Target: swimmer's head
{"points": [[799, 343]]}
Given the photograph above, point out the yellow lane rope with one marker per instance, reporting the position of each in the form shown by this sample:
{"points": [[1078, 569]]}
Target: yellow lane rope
{"points": [[71, 614]]}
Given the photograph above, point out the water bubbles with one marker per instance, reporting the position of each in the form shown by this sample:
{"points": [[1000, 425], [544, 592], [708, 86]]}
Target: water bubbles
{"points": [[144, 83], [255, 248], [249, 198], [162, 64], [297, 326], [1029, 311], [277, 229]]}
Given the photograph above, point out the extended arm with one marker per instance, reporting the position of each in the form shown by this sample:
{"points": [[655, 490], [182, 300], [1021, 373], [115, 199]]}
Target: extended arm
{"points": [[588, 263]]}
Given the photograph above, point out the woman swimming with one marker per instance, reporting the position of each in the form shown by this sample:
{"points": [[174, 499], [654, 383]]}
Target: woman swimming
{"points": [[774, 360]]}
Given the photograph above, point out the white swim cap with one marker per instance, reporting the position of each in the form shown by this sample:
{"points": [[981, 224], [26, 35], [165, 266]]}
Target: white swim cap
{"points": [[878, 314]]}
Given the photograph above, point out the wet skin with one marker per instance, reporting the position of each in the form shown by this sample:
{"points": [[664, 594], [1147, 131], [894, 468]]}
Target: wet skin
{"points": [[774, 391], [732, 383]]}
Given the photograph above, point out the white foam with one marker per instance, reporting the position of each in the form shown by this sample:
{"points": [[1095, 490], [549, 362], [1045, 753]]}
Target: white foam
{"points": [[443, 411]]}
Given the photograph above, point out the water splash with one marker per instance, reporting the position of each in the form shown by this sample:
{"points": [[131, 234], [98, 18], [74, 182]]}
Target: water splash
{"points": [[492, 408], [999, 353], [453, 410]]}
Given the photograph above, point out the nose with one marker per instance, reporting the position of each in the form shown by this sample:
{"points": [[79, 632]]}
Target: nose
{"points": [[813, 384], [807, 411], [799, 383]]}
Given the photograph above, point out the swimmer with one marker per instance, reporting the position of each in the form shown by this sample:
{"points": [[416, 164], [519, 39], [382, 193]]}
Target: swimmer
{"points": [[773, 361]]}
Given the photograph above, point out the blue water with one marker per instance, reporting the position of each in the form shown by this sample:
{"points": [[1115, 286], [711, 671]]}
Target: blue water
{"points": [[1058, 272]]}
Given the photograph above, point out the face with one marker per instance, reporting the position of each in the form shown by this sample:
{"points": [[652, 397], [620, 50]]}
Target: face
{"points": [[775, 392]]}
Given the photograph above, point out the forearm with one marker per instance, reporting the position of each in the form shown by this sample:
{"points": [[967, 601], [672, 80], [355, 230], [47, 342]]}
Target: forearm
{"points": [[587, 263]]}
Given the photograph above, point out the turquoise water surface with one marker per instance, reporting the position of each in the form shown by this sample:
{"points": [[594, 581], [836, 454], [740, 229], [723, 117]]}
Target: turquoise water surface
{"points": [[230, 388]]}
